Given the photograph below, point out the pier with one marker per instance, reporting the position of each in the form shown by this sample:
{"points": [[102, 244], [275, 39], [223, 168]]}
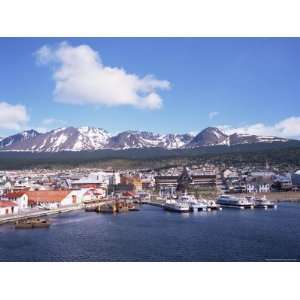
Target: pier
{"points": [[159, 204], [242, 207], [37, 214]]}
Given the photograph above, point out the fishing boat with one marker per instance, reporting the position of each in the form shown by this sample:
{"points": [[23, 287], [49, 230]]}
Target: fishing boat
{"points": [[107, 208], [40, 223], [23, 225], [34, 223]]}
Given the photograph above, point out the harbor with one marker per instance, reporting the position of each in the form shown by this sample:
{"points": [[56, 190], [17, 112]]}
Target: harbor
{"points": [[154, 234], [184, 204]]}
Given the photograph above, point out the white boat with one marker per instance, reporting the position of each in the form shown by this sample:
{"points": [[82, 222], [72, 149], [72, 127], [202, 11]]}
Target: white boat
{"points": [[193, 203], [262, 202], [176, 206], [232, 201], [212, 205]]}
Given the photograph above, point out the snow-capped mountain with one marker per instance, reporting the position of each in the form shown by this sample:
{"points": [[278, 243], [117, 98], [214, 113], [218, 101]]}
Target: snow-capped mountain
{"points": [[144, 139], [64, 139], [18, 138], [210, 136], [236, 139], [91, 138]]}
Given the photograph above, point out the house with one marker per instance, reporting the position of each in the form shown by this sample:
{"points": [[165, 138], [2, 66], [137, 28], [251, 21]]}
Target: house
{"points": [[259, 185], [54, 199], [229, 174], [8, 208], [5, 187], [93, 194], [19, 197]]}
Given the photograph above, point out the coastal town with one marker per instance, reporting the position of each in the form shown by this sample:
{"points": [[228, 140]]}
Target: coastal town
{"points": [[26, 194]]}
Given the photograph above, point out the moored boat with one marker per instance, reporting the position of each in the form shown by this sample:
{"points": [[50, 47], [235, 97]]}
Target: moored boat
{"points": [[40, 223], [262, 202], [193, 203], [106, 208], [212, 205], [90, 209], [34, 223], [235, 202], [176, 206]]}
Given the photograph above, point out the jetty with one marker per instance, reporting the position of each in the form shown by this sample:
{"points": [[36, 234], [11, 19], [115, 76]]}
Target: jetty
{"points": [[153, 203], [37, 214]]}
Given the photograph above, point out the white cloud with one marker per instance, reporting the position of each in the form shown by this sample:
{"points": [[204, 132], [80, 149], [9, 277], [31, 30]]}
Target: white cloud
{"points": [[212, 114], [81, 78], [12, 117], [289, 128]]}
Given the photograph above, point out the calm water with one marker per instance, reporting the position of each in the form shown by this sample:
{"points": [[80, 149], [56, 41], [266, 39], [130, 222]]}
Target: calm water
{"points": [[155, 235]]}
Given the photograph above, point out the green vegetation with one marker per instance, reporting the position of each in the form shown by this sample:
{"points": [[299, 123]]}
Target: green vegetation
{"points": [[286, 155]]}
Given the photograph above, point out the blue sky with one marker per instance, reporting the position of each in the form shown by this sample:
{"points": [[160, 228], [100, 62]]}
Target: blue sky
{"points": [[247, 85]]}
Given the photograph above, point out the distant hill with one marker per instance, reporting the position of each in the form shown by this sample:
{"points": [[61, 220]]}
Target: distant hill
{"points": [[277, 152], [92, 139]]}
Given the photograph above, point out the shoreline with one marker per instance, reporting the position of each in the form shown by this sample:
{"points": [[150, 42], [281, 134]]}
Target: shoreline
{"points": [[278, 197]]}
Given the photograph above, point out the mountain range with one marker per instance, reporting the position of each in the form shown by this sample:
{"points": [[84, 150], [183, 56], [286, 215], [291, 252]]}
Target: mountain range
{"points": [[92, 138]]}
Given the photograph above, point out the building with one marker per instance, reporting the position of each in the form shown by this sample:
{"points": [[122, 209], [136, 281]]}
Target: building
{"points": [[19, 197], [229, 174], [168, 185], [8, 208], [259, 185], [54, 199]]}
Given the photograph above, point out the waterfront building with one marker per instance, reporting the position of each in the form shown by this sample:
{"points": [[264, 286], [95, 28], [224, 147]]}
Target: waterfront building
{"points": [[259, 185], [54, 199], [170, 184], [8, 208], [19, 197]]}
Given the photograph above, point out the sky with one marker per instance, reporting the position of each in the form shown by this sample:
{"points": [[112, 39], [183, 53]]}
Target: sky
{"points": [[165, 85]]}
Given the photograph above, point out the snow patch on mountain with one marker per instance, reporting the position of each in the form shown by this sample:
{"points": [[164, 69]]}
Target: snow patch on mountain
{"points": [[91, 138]]}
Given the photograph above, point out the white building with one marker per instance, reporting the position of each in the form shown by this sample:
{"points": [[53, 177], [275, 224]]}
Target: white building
{"points": [[8, 208]]}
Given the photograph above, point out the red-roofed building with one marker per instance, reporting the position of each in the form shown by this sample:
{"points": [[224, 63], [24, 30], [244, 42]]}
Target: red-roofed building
{"points": [[20, 197], [8, 208], [54, 198]]}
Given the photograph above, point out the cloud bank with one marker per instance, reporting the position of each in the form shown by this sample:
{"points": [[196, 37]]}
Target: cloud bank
{"points": [[12, 117], [288, 128], [81, 78]]}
